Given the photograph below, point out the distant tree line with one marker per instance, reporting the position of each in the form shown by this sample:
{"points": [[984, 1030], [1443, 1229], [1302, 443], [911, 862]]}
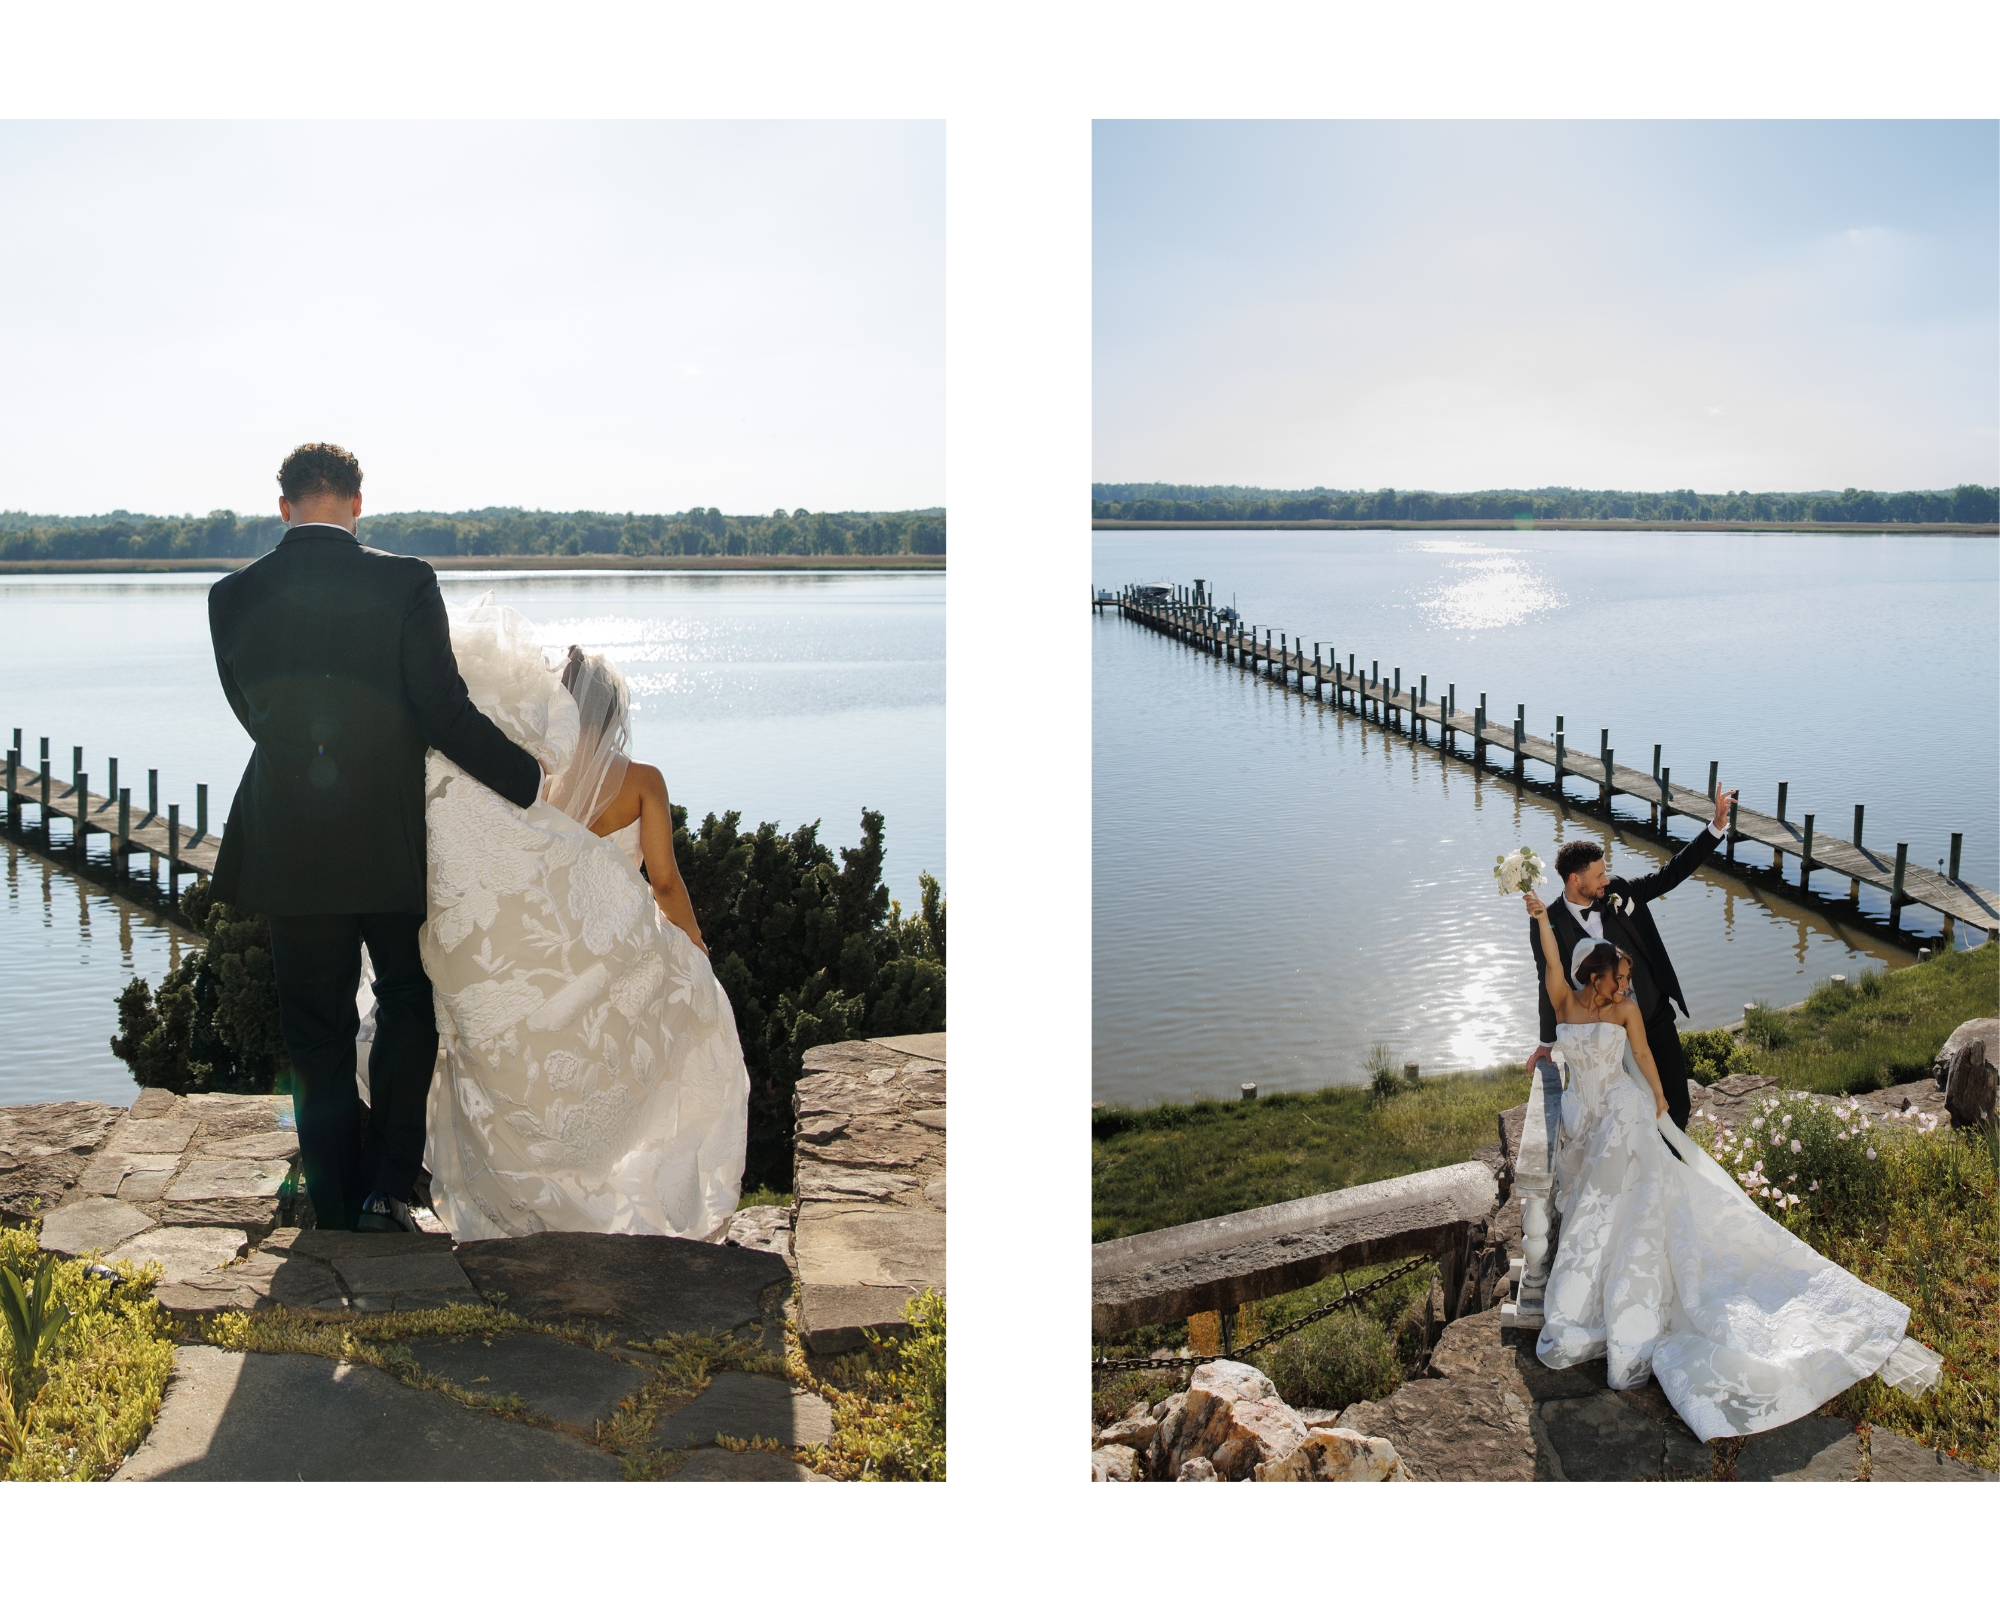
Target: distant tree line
{"points": [[494, 531], [1175, 502]]}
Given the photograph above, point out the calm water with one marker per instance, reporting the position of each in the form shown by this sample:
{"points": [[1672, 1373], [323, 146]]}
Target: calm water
{"points": [[786, 697], [1278, 888]]}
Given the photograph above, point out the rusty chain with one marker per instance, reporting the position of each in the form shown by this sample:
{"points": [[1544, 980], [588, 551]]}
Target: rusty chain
{"points": [[1351, 1297]]}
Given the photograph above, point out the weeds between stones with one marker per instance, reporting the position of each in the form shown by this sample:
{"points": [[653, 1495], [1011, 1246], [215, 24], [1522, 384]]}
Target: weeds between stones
{"points": [[96, 1389], [686, 1362], [888, 1401]]}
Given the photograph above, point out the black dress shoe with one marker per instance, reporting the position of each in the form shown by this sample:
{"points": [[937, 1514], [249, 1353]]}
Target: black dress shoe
{"points": [[380, 1214]]}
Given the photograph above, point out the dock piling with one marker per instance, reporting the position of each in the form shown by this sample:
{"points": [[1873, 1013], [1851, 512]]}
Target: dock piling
{"points": [[1896, 889], [152, 796], [173, 855], [1805, 853], [1729, 838], [80, 800], [1854, 884], [123, 861], [200, 813], [110, 782], [1711, 778], [1520, 732]]}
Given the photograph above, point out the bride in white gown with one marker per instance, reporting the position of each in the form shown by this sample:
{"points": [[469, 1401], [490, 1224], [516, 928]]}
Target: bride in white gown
{"points": [[1666, 1267], [591, 1078]]}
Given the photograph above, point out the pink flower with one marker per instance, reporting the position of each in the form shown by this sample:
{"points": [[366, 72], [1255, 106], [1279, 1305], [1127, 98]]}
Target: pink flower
{"points": [[1871, 1152], [1796, 1147], [1788, 1119], [1756, 1122], [1815, 1187]]}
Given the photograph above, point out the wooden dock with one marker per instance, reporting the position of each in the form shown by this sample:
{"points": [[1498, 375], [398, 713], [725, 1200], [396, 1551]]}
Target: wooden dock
{"points": [[1438, 721], [139, 830]]}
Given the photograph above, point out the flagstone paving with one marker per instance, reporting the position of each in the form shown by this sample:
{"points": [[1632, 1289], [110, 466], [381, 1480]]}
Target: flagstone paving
{"points": [[204, 1188]]}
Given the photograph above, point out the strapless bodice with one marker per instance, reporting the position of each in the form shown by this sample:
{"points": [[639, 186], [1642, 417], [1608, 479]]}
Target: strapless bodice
{"points": [[1594, 1053], [627, 839]]}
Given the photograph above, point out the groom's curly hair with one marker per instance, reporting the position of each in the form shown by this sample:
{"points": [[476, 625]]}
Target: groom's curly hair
{"points": [[1575, 856], [319, 469]]}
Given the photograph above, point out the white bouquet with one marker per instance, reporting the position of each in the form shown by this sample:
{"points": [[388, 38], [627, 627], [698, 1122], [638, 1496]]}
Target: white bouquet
{"points": [[1519, 872]]}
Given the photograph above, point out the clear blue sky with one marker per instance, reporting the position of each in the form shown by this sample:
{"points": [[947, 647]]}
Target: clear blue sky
{"points": [[1465, 305], [608, 316]]}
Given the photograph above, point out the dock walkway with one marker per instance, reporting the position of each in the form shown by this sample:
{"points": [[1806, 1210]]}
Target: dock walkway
{"points": [[185, 851], [1410, 709]]}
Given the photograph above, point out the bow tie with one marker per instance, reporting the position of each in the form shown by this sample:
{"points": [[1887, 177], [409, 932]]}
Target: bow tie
{"points": [[1589, 909]]}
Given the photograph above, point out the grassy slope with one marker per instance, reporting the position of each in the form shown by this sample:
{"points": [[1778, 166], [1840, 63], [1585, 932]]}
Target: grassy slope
{"points": [[1181, 1163], [1851, 1038]]}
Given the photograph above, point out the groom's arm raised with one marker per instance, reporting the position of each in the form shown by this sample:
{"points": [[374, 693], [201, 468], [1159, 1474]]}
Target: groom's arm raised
{"points": [[453, 725], [1688, 857]]}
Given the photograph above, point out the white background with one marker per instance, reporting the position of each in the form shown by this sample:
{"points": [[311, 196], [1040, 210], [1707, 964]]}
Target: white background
{"points": [[1019, 85]]}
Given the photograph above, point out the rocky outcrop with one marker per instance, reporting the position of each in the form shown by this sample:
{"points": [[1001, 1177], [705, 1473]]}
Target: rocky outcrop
{"points": [[1234, 1419], [1338, 1455], [1114, 1463]]}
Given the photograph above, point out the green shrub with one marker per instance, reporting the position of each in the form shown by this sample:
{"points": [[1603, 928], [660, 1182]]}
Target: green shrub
{"points": [[213, 1027], [1771, 1029], [809, 953], [1803, 1159], [1334, 1362], [1714, 1053]]}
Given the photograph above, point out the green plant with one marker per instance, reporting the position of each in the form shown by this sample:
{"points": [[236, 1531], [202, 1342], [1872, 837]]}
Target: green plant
{"points": [[100, 1375], [213, 1027], [1714, 1053], [888, 1405], [1762, 1025], [810, 952], [1384, 1082], [1334, 1362], [34, 1317]]}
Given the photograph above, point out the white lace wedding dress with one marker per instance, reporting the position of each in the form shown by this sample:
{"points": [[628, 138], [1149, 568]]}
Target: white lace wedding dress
{"points": [[1667, 1267], [591, 1079]]}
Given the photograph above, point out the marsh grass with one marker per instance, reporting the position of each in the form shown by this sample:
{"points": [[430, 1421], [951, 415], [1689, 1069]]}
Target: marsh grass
{"points": [[1181, 1163], [1879, 1030], [96, 1390]]}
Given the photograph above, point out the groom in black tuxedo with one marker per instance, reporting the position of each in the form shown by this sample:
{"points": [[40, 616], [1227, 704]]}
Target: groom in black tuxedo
{"points": [[337, 661], [1596, 905]]}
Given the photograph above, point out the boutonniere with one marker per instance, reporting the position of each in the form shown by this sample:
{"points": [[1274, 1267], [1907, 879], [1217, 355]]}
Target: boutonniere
{"points": [[1622, 904]]}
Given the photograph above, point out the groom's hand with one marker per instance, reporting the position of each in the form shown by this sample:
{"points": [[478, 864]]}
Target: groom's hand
{"points": [[1540, 1054], [1724, 799]]}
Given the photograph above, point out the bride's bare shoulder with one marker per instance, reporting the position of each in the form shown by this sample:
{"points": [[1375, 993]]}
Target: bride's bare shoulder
{"points": [[645, 781]]}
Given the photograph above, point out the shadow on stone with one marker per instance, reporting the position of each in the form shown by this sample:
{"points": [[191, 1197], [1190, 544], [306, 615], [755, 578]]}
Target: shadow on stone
{"points": [[751, 1466], [237, 1417], [645, 1285], [561, 1380], [1811, 1450], [744, 1405]]}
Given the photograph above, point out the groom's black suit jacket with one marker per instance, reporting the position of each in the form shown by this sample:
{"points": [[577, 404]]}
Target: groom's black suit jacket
{"points": [[1628, 923], [337, 661]]}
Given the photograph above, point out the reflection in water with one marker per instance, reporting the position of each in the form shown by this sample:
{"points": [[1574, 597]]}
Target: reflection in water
{"points": [[66, 951], [1279, 887], [1491, 588]]}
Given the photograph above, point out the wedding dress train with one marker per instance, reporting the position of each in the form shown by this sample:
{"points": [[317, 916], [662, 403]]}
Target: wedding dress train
{"points": [[1667, 1267], [591, 1077]]}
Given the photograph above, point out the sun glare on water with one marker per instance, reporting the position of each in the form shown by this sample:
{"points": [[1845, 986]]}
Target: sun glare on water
{"points": [[1491, 589]]}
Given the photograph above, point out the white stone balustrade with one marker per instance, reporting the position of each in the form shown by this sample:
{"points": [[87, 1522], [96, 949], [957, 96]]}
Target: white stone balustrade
{"points": [[1535, 1183]]}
